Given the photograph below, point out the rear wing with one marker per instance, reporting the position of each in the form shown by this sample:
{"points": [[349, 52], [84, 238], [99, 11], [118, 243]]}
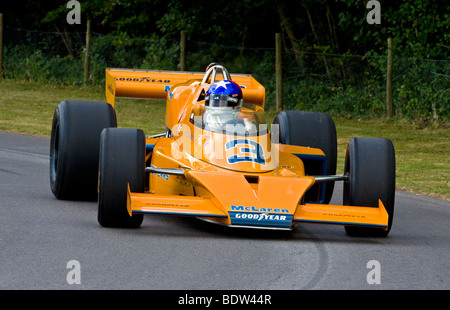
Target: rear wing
{"points": [[153, 84]]}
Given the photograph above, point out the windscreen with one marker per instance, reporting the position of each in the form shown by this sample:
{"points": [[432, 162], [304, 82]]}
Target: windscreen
{"points": [[246, 120]]}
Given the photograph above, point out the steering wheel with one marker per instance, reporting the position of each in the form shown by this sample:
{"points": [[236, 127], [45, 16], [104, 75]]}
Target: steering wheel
{"points": [[211, 71]]}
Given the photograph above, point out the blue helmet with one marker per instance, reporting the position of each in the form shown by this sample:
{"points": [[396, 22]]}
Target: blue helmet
{"points": [[224, 93]]}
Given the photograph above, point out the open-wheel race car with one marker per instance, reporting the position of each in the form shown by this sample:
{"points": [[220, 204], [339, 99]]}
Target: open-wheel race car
{"points": [[218, 159]]}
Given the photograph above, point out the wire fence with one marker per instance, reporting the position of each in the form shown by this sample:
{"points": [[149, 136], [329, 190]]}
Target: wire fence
{"points": [[344, 85]]}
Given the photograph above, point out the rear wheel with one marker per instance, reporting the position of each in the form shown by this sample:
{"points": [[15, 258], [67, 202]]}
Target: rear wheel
{"points": [[122, 162], [370, 165], [316, 130], [74, 147]]}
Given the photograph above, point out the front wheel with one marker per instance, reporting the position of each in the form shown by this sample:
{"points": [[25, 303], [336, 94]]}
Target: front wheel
{"points": [[370, 165], [122, 163]]}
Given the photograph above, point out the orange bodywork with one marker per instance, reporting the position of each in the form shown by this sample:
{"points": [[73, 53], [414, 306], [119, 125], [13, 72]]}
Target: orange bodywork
{"points": [[207, 183]]}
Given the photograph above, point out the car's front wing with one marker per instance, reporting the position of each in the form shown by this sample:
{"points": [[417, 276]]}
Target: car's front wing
{"points": [[254, 217]]}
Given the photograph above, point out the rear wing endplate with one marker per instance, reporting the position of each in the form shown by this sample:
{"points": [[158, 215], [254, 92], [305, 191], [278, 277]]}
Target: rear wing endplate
{"points": [[153, 84]]}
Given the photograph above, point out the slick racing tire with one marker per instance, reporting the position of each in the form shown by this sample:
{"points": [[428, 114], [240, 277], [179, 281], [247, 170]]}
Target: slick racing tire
{"points": [[370, 166], [122, 162], [74, 147], [316, 130]]}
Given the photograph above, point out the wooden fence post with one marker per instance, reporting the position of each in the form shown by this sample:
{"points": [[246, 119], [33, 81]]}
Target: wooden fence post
{"points": [[86, 55], [183, 51], [1, 45], [389, 107], [278, 72]]}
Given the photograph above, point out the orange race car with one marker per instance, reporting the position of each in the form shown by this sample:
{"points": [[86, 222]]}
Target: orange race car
{"points": [[218, 159]]}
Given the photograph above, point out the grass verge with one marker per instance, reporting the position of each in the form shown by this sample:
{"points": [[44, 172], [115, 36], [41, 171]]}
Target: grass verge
{"points": [[422, 154]]}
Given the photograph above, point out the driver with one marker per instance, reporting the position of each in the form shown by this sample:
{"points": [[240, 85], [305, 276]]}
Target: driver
{"points": [[222, 103], [224, 93]]}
